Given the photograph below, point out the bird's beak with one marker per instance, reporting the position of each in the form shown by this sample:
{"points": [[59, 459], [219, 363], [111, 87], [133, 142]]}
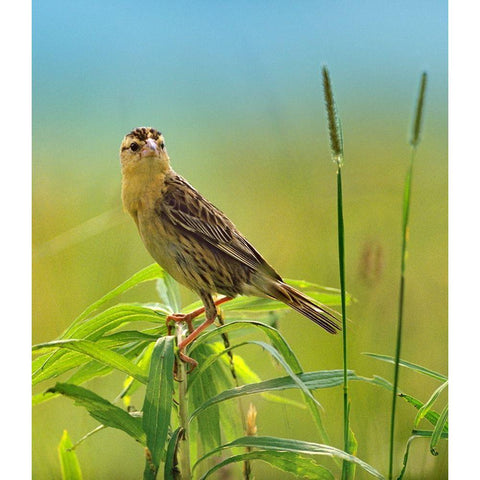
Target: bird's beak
{"points": [[150, 149]]}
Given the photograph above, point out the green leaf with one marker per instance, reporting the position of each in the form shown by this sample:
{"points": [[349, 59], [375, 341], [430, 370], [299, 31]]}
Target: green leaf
{"points": [[431, 415], [277, 356], [405, 456], [438, 430], [248, 305], [278, 341], [68, 459], [207, 385], [427, 406], [171, 471], [411, 366], [295, 446], [102, 410], [312, 380], [169, 292], [151, 272], [114, 317], [93, 350], [349, 468], [247, 375], [61, 365], [158, 401], [92, 330], [299, 465], [415, 434]]}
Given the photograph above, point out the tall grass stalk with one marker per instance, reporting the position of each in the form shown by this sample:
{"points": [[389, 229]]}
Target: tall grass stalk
{"points": [[184, 450], [336, 148], [414, 141]]}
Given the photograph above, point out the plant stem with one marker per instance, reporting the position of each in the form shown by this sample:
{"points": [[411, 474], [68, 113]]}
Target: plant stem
{"points": [[336, 149], [414, 141], [398, 347], [341, 261], [184, 450]]}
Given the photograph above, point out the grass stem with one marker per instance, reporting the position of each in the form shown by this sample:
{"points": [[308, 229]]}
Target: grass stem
{"points": [[184, 450], [336, 147], [414, 141]]}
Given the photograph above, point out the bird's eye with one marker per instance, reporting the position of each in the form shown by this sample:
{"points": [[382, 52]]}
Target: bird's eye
{"points": [[162, 146], [134, 146]]}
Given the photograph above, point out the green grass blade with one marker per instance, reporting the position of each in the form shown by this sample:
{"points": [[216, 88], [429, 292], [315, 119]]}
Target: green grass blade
{"points": [[115, 317], [427, 406], [169, 292], [403, 260], [151, 272], [246, 375], [285, 351], [102, 355], [275, 337], [158, 401], [251, 305], [438, 430], [417, 124], [405, 456], [298, 465], [311, 380], [431, 415], [68, 459], [102, 410], [87, 368], [110, 319], [295, 446], [411, 366], [171, 471], [62, 364]]}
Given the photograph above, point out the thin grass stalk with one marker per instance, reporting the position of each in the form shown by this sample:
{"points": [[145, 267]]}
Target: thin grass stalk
{"points": [[414, 141], [184, 444], [336, 148]]}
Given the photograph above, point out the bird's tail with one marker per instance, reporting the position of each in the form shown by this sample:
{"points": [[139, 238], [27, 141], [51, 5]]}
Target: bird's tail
{"points": [[320, 314]]}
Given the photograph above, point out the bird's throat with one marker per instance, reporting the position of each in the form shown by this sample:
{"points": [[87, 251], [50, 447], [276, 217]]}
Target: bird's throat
{"points": [[141, 184]]}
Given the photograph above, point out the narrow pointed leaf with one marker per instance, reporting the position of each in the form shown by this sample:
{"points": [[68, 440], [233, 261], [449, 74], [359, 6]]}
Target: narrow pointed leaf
{"points": [[169, 293], [206, 386], [171, 471], [431, 415], [411, 366], [92, 330], [151, 272], [103, 355], [158, 401], [68, 459], [296, 446], [298, 465], [102, 410], [427, 406], [438, 430], [312, 380]]}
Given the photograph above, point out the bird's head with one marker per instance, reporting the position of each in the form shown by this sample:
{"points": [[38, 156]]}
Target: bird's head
{"points": [[144, 148]]}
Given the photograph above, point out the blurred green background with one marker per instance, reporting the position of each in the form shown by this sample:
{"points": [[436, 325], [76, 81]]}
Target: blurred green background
{"points": [[236, 89]]}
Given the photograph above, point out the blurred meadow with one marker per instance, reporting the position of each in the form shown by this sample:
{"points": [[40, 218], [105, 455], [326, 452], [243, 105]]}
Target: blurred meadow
{"points": [[236, 89]]}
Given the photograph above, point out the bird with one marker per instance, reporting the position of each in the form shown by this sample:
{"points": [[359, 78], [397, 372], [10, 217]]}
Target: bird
{"points": [[195, 242]]}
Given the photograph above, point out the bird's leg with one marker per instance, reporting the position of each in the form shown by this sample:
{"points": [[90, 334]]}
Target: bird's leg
{"points": [[210, 310], [189, 317]]}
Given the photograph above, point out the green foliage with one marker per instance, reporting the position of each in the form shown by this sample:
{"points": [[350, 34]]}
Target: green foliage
{"points": [[201, 416], [158, 403], [68, 459], [147, 358]]}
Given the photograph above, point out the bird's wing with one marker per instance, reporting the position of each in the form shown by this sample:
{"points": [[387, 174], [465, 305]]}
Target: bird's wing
{"points": [[184, 207]]}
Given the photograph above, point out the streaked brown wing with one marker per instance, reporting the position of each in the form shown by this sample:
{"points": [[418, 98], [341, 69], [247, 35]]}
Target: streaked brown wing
{"points": [[183, 206]]}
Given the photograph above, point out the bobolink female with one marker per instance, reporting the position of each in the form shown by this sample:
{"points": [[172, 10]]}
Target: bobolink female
{"points": [[194, 241]]}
